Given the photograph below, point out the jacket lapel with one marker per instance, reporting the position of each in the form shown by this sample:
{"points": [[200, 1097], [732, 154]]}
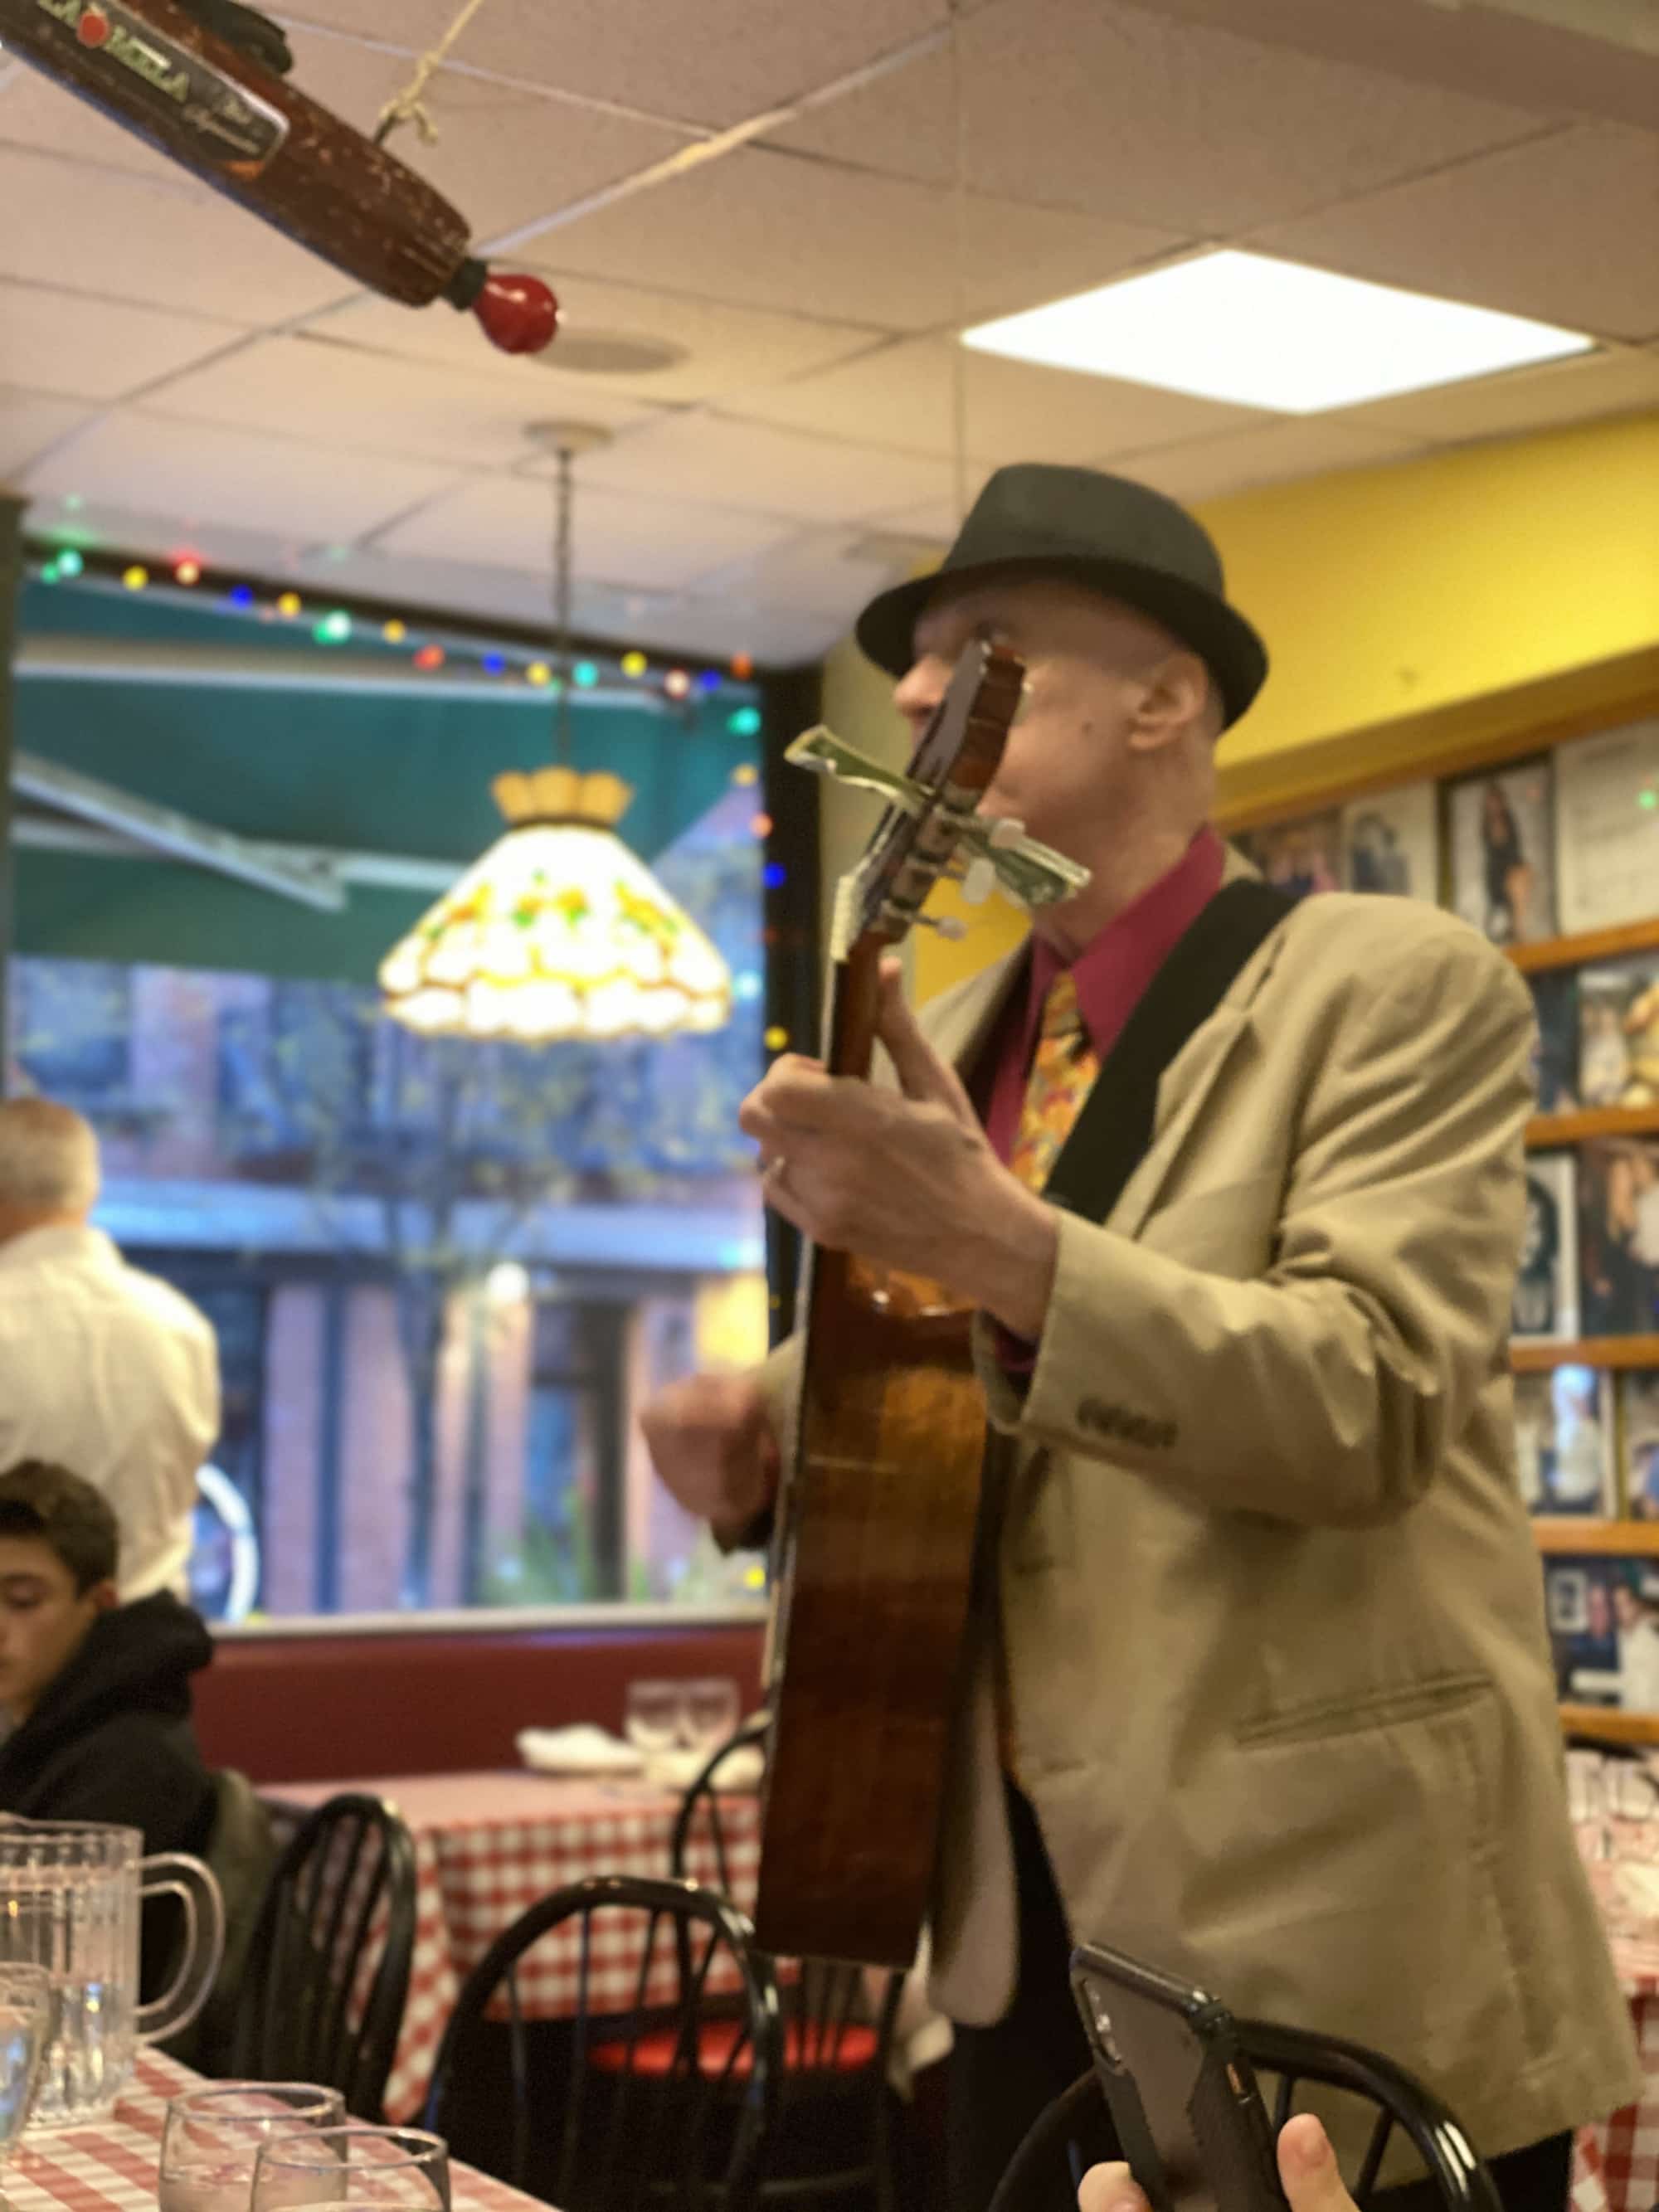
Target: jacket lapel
{"points": [[1189, 1077]]}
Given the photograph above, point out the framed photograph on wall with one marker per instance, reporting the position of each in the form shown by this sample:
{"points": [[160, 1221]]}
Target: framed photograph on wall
{"points": [[1391, 843], [1619, 1236], [1544, 1306], [1619, 1030], [1603, 1615], [1638, 1439], [1299, 857], [1563, 1442], [1607, 828], [1555, 1003], [1503, 851]]}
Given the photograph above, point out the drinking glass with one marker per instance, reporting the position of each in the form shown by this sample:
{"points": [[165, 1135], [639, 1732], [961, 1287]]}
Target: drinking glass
{"points": [[712, 1712], [25, 2022], [211, 2139], [654, 1715], [356, 2166]]}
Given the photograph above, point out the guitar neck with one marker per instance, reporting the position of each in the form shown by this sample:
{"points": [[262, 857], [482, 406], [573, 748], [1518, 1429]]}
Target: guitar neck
{"points": [[849, 1033]]}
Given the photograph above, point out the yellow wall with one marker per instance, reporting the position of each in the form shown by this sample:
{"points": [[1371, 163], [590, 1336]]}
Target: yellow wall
{"points": [[1387, 593]]}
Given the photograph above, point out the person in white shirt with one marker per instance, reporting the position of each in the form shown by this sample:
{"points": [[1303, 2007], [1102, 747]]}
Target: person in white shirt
{"points": [[1638, 1650], [103, 1370]]}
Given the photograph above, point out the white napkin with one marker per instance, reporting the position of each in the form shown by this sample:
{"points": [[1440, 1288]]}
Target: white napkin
{"points": [[679, 1768], [583, 1749]]}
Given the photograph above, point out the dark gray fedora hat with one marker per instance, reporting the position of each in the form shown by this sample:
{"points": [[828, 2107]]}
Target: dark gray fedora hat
{"points": [[1120, 538]]}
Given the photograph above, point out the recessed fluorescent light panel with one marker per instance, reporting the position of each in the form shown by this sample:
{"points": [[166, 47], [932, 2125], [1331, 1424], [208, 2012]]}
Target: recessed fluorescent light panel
{"points": [[1259, 332]]}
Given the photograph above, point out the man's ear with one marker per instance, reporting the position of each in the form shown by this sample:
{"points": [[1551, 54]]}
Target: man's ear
{"points": [[106, 1595], [1175, 699]]}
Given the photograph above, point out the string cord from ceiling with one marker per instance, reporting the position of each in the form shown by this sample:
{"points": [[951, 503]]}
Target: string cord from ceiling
{"points": [[959, 198], [565, 460], [409, 105]]}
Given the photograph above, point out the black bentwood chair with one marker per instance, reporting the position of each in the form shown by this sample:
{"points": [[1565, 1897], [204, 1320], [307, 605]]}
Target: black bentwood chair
{"points": [[328, 1964], [1043, 2173], [642, 2103], [833, 2134]]}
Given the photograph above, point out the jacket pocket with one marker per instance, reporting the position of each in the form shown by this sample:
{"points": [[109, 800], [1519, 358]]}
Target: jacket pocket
{"points": [[1318, 1718]]}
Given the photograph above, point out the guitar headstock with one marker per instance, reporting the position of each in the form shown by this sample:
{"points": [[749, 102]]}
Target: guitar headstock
{"points": [[948, 774]]}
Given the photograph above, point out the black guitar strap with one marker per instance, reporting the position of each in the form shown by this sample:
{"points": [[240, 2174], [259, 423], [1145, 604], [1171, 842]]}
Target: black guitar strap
{"points": [[1113, 1126]]}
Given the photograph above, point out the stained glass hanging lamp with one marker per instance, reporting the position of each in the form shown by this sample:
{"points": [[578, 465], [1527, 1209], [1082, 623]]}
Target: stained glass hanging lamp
{"points": [[560, 931]]}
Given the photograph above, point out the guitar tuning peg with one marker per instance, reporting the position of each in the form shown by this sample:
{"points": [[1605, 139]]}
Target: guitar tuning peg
{"points": [[979, 880], [946, 924], [1006, 833]]}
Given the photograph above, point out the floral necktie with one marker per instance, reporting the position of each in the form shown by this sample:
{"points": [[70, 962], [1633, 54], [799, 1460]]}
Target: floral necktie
{"points": [[1063, 1069]]}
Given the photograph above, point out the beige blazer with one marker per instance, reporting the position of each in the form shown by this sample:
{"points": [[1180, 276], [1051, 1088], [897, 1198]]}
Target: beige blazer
{"points": [[1271, 1607]]}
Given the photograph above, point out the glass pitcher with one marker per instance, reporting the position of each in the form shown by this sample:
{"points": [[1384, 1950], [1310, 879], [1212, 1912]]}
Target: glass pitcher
{"points": [[70, 1898]]}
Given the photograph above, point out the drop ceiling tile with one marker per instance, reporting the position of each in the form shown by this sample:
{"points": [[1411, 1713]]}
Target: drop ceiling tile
{"points": [[35, 112], [649, 544], [91, 522], [1118, 111], [369, 403], [1238, 460], [903, 395], [823, 575], [707, 459], [725, 348], [90, 349], [171, 243], [504, 151], [30, 422], [730, 59], [195, 472], [1576, 390], [1564, 230], [768, 230]]}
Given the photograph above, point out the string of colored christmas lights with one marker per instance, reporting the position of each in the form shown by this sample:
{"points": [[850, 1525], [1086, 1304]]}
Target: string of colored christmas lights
{"points": [[333, 625]]}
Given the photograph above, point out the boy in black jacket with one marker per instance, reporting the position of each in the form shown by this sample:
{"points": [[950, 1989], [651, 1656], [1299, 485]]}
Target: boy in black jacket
{"points": [[98, 1691]]}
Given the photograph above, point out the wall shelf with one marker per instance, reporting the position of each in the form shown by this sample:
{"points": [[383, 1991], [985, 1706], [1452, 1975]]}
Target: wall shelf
{"points": [[1588, 1351], [1561, 1532], [1545, 1130], [1615, 1727], [1592, 945]]}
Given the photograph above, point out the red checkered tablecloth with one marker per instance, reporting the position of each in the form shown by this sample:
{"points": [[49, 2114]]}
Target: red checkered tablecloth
{"points": [[1617, 2165], [110, 2165], [486, 1846]]}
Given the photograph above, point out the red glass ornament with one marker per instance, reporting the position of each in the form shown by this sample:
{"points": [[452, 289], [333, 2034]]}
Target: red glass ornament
{"points": [[520, 314], [93, 29]]}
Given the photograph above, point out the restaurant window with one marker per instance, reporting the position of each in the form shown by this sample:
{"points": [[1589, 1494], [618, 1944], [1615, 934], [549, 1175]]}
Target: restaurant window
{"points": [[443, 1274]]}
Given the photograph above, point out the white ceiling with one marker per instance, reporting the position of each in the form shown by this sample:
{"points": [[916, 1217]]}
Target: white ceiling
{"points": [[770, 188]]}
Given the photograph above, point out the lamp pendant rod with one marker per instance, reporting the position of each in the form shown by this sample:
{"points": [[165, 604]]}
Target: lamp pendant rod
{"points": [[566, 463]]}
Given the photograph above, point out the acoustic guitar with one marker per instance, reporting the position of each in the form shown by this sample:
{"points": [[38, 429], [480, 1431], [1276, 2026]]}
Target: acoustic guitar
{"points": [[874, 1549]]}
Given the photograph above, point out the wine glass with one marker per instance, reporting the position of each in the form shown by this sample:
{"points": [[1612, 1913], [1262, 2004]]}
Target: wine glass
{"points": [[654, 1715], [712, 1712], [355, 2166], [25, 2023], [211, 2139]]}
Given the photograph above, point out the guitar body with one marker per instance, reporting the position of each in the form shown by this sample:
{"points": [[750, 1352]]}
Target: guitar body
{"points": [[874, 1558], [874, 1563]]}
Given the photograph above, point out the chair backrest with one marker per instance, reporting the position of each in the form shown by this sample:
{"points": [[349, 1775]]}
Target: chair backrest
{"points": [[1401, 2103], [834, 2019], [668, 2058], [328, 1965], [1042, 2175], [241, 1854]]}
